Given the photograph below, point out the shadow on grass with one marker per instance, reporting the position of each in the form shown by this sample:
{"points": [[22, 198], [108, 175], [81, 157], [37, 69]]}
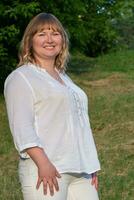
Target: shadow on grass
{"points": [[79, 64]]}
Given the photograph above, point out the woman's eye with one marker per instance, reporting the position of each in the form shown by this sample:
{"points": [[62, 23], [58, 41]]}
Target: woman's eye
{"points": [[41, 34], [56, 33]]}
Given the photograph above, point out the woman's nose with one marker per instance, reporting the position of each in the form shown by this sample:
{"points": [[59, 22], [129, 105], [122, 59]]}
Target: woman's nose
{"points": [[49, 38]]}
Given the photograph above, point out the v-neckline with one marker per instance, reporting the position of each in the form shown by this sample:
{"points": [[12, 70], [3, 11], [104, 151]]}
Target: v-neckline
{"points": [[40, 69]]}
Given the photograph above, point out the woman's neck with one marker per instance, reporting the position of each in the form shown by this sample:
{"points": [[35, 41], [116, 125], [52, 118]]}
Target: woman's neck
{"points": [[46, 64]]}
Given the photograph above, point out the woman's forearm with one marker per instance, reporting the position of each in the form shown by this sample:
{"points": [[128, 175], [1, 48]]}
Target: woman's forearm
{"points": [[38, 156]]}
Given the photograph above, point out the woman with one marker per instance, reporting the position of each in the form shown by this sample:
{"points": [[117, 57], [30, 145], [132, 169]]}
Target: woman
{"points": [[48, 118]]}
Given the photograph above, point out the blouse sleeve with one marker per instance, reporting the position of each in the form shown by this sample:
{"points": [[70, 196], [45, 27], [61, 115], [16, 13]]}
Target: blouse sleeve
{"points": [[19, 99]]}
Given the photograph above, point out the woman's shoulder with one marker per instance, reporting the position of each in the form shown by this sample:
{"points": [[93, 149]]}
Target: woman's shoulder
{"points": [[16, 75], [66, 76], [19, 71]]}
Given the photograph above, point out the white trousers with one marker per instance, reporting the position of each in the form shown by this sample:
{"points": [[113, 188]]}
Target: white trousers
{"points": [[71, 186]]}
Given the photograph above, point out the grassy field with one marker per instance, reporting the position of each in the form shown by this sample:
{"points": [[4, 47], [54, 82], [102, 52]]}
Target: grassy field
{"points": [[109, 83]]}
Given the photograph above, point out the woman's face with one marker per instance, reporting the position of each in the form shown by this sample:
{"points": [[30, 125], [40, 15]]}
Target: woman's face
{"points": [[47, 44]]}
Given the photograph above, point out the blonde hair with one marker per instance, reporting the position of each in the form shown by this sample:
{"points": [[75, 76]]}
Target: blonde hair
{"points": [[36, 25]]}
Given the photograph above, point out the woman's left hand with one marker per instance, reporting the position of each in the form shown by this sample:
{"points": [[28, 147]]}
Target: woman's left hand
{"points": [[95, 180]]}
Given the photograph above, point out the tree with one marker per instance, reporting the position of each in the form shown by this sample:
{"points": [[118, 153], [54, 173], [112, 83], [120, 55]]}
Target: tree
{"points": [[13, 16], [124, 23], [90, 24]]}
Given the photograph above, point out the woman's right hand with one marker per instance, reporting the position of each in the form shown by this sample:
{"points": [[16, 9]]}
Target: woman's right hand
{"points": [[47, 175]]}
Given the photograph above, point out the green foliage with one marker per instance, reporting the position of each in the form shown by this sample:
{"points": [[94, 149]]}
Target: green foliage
{"points": [[94, 26], [123, 22], [14, 15]]}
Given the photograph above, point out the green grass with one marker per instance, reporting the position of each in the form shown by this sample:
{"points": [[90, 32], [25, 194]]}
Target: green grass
{"points": [[109, 82], [9, 185]]}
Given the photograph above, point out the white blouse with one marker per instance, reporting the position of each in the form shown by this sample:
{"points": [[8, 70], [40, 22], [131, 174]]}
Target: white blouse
{"points": [[45, 113]]}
